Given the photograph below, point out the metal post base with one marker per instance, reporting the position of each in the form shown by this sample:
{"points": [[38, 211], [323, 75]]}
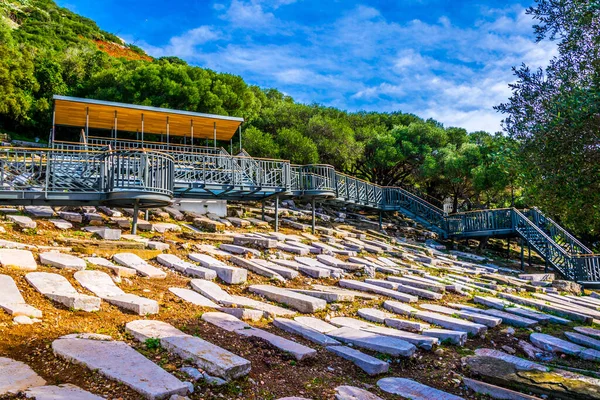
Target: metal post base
{"points": [[135, 218], [276, 213]]}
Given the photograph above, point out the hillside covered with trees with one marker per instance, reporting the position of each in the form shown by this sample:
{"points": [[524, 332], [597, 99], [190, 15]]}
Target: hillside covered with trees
{"points": [[46, 50]]}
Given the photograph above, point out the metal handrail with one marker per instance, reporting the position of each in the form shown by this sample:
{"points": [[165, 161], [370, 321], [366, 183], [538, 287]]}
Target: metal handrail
{"points": [[576, 247]]}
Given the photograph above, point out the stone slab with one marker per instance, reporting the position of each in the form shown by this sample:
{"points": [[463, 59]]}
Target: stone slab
{"points": [[298, 351], [117, 269], [23, 221], [61, 224], [193, 297], [297, 328], [487, 320], [374, 342], [143, 268], [103, 286], [209, 357], [595, 333], [58, 288], [297, 301], [61, 260], [16, 376], [413, 390], [358, 285], [310, 271], [118, 361], [507, 318], [371, 365], [228, 274], [458, 338], [210, 290], [354, 393], [316, 324], [285, 272], [329, 297], [40, 211], [452, 323], [17, 259], [554, 344], [258, 269], [232, 248], [224, 321], [12, 301], [187, 268], [269, 309], [256, 241], [60, 392], [495, 392]]}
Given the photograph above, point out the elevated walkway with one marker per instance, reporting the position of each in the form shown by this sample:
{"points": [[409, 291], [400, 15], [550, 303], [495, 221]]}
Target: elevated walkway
{"points": [[136, 177]]}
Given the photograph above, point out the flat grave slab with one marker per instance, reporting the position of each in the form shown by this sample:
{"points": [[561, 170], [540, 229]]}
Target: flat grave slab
{"points": [[374, 342], [58, 288], [17, 259], [297, 328], [118, 361], [193, 297], [60, 392], [413, 390], [103, 286], [210, 290], [23, 221], [117, 269], [143, 268], [297, 301], [16, 376], [187, 268], [61, 260], [371, 365], [228, 274], [12, 301]]}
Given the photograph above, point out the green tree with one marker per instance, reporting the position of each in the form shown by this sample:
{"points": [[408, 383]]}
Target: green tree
{"points": [[260, 144], [296, 147]]}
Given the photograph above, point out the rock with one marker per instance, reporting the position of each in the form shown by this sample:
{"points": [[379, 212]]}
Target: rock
{"points": [[23, 221], [103, 286], [588, 331], [256, 241], [191, 372], [118, 361], [66, 391], [567, 286], [245, 314], [446, 335], [224, 321], [109, 234], [209, 225], [212, 380], [495, 392], [298, 301], [57, 288], [162, 227], [583, 340], [12, 301], [133, 261], [154, 245], [502, 369], [508, 349], [61, 260], [17, 259], [353, 393], [413, 390], [16, 376], [207, 356], [371, 365]]}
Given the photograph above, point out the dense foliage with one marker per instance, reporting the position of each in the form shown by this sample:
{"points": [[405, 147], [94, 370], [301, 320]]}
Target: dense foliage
{"points": [[46, 50], [554, 114]]}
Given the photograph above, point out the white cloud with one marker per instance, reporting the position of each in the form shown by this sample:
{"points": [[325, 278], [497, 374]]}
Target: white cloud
{"points": [[361, 60]]}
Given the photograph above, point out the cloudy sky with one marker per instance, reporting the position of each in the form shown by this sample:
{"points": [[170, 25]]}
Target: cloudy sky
{"points": [[442, 59]]}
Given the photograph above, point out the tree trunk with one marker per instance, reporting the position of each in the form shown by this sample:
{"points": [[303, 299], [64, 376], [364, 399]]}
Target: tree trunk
{"points": [[455, 203]]}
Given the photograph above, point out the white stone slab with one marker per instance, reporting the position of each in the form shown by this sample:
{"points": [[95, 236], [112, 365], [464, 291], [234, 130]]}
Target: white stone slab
{"points": [[16, 376], [162, 227], [354, 393], [61, 260], [71, 216], [362, 286], [316, 324], [23, 221], [210, 290], [495, 392], [413, 390], [143, 268], [226, 273], [258, 269], [298, 351], [452, 323], [193, 270], [17, 259], [61, 224], [60, 392], [583, 340], [297, 328], [297, 301], [447, 335], [209, 357], [117, 269], [40, 211], [232, 248], [371, 365], [310, 271], [595, 333], [104, 287], [269, 309], [373, 341], [193, 297], [224, 321], [118, 361], [329, 297], [285, 272], [554, 344], [12, 301], [486, 320], [57, 288]]}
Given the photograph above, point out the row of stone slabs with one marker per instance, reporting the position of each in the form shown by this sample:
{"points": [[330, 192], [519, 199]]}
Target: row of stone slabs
{"points": [[17, 377]]}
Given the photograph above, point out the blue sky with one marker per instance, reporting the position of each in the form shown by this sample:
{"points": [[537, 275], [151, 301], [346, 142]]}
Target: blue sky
{"points": [[448, 60]]}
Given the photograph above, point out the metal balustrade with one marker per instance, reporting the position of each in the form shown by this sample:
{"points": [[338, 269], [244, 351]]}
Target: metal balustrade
{"points": [[72, 173]]}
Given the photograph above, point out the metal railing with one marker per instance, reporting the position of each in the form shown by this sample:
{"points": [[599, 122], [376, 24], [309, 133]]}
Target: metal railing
{"points": [[556, 232], [138, 171]]}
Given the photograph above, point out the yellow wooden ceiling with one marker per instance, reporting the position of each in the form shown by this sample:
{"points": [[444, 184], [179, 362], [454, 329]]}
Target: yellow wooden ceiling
{"points": [[72, 111]]}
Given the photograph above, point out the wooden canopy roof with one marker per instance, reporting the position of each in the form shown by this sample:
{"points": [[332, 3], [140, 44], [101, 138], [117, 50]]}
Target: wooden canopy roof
{"points": [[73, 111]]}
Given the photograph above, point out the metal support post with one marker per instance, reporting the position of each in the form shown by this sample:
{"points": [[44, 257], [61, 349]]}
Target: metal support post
{"points": [[215, 135], [147, 215], [135, 218], [240, 131], [276, 213], [381, 220], [508, 248], [529, 254], [522, 256], [314, 216], [263, 210]]}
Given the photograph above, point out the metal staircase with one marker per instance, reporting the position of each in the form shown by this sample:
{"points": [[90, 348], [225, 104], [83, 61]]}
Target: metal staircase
{"points": [[127, 174]]}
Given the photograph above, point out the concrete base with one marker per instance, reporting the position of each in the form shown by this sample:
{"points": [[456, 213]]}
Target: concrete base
{"points": [[217, 207]]}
